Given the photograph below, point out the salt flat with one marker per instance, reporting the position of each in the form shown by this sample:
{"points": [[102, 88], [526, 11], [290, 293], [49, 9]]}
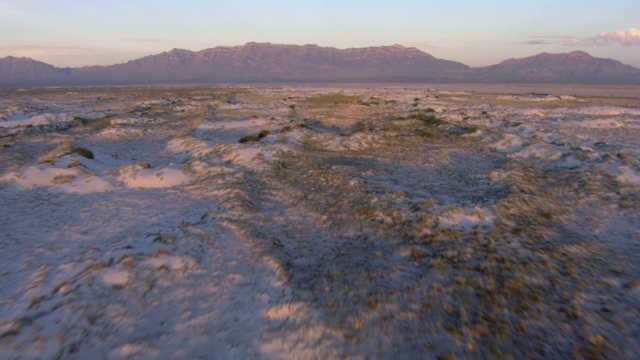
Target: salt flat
{"points": [[357, 221]]}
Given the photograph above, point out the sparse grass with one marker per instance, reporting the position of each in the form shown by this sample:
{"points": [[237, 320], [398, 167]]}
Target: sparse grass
{"points": [[430, 120], [359, 127], [62, 179], [35, 301], [51, 156], [446, 356], [490, 288], [14, 329], [417, 253], [332, 98]]}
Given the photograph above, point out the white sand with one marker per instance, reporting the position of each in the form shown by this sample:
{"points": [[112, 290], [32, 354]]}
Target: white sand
{"points": [[328, 240]]}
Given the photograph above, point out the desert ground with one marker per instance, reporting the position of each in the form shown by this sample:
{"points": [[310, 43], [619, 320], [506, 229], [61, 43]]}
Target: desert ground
{"points": [[301, 222]]}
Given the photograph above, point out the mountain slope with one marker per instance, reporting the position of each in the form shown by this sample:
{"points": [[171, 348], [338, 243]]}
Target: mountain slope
{"points": [[264, 63], [576, 66], [269, 63], [24, 71]]}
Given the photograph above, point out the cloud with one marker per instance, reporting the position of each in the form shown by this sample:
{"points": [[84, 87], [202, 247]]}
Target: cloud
{"points": [[43, 51], [12, 7], [71, 55], [630, 37], [144, 40], [423, 44], [537, 42]]}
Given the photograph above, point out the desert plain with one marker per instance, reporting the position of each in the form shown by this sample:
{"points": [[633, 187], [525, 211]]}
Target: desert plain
{"points": [[320, 221]]}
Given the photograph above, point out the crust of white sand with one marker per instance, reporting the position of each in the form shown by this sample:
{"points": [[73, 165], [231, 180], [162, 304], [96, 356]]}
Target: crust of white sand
{"points": [[135, 177], [114, 276], [213, 250], [466, 219], [66, 180], [629, 175]]}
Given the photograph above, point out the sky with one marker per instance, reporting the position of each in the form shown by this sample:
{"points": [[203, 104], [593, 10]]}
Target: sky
{"points": [[73, 33]]}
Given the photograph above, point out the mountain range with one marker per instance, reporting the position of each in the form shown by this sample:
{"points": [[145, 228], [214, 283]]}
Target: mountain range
{"points": [[273, 63]]}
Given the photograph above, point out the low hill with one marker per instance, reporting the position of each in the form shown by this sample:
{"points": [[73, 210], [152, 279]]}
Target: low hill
{"points": [[573, 67]]}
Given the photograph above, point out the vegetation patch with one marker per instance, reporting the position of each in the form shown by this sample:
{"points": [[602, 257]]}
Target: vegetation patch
{"points": [[248, 138], [429, 119], [84, 152], [81, 120], [426, 134], [467, 130], [332, 98]]}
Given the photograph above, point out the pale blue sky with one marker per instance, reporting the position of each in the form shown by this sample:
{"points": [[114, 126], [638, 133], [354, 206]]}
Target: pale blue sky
{"points": [[475, 32]]}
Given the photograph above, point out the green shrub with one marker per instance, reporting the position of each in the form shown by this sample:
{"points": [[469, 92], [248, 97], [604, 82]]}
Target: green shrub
{"points": [[417, 254], [263, 133], [82, 120], [546, 215], [430, 119], [248, 138], [468, 130], [285, 129], [429, 110], [84, 152]]}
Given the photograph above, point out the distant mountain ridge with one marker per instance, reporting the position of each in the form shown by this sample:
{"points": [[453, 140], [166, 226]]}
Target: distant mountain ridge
{"points": [[271, 63], [576, 66], [24, 70], [276, 63]]}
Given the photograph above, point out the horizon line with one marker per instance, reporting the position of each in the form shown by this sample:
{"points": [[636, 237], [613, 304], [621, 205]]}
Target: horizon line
{"points": [[396, 45]]}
